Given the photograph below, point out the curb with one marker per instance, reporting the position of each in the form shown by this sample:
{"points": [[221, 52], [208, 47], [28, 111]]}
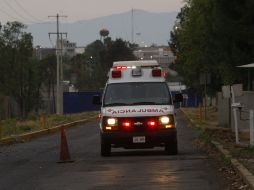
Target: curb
{"points": [[241, 169], [39, 133]]}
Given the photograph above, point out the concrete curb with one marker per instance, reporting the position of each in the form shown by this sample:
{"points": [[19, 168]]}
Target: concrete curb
{"points": [[241, 170], [39, 133]]}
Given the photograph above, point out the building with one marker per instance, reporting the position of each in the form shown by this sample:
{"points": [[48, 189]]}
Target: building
{"points": [[42, 53], [69, 49], [79, 50], [162, 54]]}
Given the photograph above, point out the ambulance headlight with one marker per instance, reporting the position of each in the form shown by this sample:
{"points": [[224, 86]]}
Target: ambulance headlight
{"points": [[111, 121], [164, 120]]}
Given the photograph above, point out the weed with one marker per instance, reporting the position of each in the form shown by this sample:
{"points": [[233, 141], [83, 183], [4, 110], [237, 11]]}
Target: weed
{"points": [[12, 127], [226, 160]]}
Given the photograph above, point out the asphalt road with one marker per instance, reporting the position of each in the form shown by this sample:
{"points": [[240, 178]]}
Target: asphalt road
{"points": [[33, 165]]}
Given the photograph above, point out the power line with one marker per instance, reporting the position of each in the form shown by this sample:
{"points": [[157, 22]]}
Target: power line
{"points": [[17, 13], [27, 12], [9, 5], [132, 25], [7, 14], [15, 18]]}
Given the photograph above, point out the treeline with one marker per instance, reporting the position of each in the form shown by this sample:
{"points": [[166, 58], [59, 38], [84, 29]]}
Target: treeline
{"points": [[213, 37], [89, 71], [20, 72], [27, 80]]}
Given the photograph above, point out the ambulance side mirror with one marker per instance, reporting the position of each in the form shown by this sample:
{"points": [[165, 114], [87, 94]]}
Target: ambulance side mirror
{"points": [[96, 100], [178, 98]]}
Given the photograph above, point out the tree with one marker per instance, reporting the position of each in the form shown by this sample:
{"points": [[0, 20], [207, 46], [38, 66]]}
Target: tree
{"points": [[48, 72], [91, 68], [20, 73], [210, 37]]}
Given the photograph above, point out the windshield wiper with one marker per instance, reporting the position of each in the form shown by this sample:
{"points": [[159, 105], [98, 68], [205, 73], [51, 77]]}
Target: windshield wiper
{"points": [[116, 104]]}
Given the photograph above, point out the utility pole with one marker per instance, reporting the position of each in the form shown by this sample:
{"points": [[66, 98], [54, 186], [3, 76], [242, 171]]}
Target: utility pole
{"points": [[59, 85], [132, 25]]}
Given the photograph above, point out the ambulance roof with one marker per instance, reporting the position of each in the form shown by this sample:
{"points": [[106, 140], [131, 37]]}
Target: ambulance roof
{"points": [[146, 63], [135, 71]]}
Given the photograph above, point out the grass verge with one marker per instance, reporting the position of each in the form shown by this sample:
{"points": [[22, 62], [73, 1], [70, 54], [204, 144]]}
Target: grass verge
{"points": [[210, 131], [13, 127]]}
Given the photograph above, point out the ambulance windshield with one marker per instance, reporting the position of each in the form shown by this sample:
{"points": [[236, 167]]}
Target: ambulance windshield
{"points": [[148, 93]]}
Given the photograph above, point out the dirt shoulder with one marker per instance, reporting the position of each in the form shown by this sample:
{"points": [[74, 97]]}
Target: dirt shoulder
{"points": [[211, 132]]}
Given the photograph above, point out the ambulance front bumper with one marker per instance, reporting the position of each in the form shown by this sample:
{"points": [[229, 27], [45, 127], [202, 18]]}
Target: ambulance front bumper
{"points": [[147, 139]]}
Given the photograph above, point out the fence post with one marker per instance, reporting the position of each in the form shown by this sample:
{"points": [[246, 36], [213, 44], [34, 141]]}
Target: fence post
{"points": [[43, 121], [1, 131], [235, 117], [251, 128], [200, 112]]}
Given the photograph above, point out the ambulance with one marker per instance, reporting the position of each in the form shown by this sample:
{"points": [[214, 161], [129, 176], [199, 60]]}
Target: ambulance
{"points": [[137, 108]]}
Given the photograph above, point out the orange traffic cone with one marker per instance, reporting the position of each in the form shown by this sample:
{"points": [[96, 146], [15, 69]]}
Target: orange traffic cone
{"points": [[64, 151]]}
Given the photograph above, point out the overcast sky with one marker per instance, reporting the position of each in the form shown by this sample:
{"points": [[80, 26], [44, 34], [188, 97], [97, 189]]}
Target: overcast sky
{"points": [[38, 10]]}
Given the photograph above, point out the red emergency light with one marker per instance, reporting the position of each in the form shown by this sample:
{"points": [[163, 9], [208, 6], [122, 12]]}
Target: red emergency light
{"points": [[127, 124], [152, 124], [156, 72], [116, 74], [121, 67]]}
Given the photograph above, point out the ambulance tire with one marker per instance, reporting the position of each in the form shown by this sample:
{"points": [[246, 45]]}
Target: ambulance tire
{"points": [[105, 149], [171, 148]]}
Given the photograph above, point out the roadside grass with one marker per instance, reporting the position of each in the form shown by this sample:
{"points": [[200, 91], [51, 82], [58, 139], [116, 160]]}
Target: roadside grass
{"points": [[243, 153], [211, 131], [13, 127], [196, 117]]}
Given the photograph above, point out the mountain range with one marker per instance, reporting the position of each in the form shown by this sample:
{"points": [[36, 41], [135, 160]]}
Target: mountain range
{"points": [[148, 28]]}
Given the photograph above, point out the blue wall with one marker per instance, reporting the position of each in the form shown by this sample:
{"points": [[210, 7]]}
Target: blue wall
{"points": [[193, 100], [76, 102]]}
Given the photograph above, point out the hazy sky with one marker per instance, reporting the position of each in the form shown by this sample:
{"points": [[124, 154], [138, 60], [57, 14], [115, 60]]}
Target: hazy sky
{"points": [[38, 10]]}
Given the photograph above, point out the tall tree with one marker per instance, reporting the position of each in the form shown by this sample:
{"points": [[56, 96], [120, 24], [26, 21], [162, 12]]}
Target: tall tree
{"points": [[48, 72], [213, 36], [20, 75], [92, 67]]}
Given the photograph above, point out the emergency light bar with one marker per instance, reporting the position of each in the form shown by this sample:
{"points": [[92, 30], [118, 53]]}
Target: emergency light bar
{"points": [[136, 72], [143, 63], [121, 67], [124, 67]]}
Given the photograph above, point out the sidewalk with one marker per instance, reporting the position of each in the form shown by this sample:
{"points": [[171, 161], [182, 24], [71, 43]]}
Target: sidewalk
{"points": [[240, 157]]}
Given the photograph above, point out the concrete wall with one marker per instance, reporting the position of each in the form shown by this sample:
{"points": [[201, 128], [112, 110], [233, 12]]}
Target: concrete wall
{"points": [[223, 111], [247, 100]]}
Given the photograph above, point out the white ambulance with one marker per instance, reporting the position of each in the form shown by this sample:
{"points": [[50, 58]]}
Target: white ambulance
{"points": [[137, 109]]}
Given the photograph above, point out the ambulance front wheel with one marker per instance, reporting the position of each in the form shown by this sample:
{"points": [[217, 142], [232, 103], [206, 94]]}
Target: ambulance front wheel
{"points": [[105, 148], [171, 148]]}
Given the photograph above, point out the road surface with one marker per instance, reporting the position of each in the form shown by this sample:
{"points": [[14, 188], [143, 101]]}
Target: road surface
{"points": [[33, 165]]}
